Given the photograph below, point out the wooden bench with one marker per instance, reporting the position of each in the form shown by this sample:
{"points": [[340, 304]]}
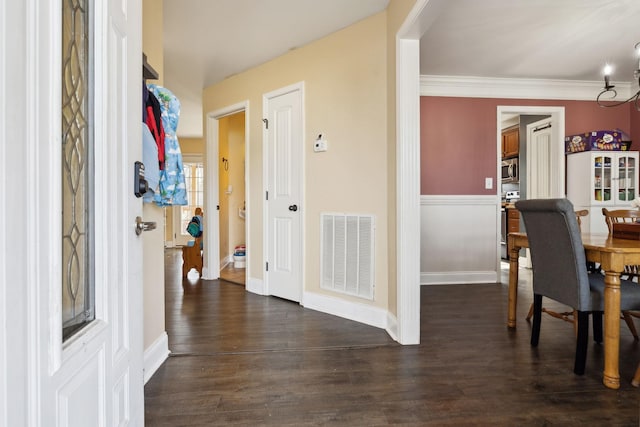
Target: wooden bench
{"points": [[192, 257]]}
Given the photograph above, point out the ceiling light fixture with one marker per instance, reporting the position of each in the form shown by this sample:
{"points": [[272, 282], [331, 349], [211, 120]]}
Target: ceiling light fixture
{"points": [[608, 87]]}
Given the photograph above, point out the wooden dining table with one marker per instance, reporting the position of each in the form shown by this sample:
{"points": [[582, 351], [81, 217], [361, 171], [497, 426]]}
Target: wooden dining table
{"points": [[612, 254]]}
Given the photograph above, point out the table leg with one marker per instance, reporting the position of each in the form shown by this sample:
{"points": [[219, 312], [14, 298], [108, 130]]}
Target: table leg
{"points": [[611, 377], [514, 253]]}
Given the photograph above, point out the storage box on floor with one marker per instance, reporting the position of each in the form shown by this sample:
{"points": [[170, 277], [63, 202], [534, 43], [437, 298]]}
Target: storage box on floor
{"points": [[239, 256], [598, 140]]}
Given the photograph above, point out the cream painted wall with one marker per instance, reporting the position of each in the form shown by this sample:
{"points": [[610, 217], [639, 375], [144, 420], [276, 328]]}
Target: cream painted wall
{"points": [[345, 78], [191, 145], [153, 245], [152, 46]]}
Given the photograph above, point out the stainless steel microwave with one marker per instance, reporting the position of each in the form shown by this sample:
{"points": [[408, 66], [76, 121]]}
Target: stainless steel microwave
{"points": [[510, 171]]}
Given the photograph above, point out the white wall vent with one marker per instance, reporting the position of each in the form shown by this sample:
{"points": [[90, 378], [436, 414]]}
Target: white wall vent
{"points": [[347, 254]]}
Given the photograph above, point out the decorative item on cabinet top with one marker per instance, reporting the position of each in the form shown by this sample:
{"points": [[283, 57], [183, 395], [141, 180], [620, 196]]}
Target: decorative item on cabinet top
{"points": [[597, 140]]}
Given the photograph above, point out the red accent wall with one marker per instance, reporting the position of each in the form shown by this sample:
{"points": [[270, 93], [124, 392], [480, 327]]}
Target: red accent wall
{"points": [[458, 138], [634, 126]]}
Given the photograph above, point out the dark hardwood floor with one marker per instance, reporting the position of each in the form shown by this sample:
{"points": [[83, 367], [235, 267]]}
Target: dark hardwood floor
{"points": [[244, 359]]}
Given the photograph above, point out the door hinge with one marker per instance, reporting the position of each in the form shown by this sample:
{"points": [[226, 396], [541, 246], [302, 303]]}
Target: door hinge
{"points": [[266, 123], [266, 195], [266, 266]]}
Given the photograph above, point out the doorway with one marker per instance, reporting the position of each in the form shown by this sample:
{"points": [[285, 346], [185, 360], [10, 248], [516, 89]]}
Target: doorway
{"points": [[227, 193], [526, 115], [550, 122], [194, 180], [232, 202]]}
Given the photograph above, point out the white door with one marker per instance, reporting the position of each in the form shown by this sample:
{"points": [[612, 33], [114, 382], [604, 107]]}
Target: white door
{"points": [[284, 166], [211, 239], [543, 161], [543, 164], [94, 378]]}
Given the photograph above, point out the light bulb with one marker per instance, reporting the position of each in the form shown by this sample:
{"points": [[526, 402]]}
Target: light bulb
{"points": [[607, 70]]}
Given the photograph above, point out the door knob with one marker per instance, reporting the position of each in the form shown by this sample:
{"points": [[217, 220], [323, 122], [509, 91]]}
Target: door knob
{"points": [[144, 226], [293, 208]]}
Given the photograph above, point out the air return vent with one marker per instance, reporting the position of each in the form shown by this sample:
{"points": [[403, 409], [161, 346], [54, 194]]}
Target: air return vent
{"points": [[347, 254]]}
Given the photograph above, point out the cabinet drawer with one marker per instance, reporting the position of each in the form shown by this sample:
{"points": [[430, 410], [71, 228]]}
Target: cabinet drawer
{"points": [[513, 220]]}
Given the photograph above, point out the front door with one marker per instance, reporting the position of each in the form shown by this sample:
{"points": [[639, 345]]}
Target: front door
{"points": [[64, 366], [283, 134], [194, 180]]}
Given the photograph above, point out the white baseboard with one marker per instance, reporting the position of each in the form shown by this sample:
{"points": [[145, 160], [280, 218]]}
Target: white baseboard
{"points": [[155, 355], [458, 277], [255, 286], [392, 326], [362, 313], [226, 261]]}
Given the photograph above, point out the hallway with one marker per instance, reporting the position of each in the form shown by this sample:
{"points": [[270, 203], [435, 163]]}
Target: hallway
{"points": [[244, 359]]}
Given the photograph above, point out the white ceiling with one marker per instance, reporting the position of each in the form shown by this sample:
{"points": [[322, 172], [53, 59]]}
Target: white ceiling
{"points": [[546, 39], [206, 41]]}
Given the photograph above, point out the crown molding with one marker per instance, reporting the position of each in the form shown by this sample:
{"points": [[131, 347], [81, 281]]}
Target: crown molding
{"points": [[492, 87]]}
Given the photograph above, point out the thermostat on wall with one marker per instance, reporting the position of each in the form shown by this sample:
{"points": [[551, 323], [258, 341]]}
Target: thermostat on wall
{"points": [[320, 144]]}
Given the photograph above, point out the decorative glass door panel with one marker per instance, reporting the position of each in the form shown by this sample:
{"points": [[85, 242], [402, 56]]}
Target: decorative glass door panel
{"points": [[77, 279], [626, 178]]}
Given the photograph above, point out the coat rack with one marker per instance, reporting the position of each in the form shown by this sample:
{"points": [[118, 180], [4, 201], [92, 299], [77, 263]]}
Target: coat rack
{"points": [[148, 73]]}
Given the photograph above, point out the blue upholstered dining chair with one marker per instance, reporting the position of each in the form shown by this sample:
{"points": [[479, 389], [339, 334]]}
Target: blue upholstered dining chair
{"points": [[560, 271]]}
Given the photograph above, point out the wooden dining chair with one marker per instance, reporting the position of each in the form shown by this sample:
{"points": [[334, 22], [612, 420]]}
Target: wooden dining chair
{"points": [[620, 216], [560, 271], [580, 214], [628, 216], [631, 272]]}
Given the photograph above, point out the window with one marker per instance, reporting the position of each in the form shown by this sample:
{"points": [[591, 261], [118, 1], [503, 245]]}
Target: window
{"points": [[194, 180], [78, 301]]}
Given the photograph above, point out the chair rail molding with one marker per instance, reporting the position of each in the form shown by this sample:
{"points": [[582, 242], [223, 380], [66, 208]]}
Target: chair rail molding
{"points": [[459, 239]]}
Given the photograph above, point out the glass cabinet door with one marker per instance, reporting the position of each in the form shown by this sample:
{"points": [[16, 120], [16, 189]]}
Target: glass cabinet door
{"points": [[602, 178], [626, 178]]}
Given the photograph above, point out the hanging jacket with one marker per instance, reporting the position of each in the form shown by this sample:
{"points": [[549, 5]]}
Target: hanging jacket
{"points": [[156, 126], [172, 189]]}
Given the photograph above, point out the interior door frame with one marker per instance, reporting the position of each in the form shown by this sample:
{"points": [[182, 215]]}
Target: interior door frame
{"points": [[211, 239], [558, 121]]}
